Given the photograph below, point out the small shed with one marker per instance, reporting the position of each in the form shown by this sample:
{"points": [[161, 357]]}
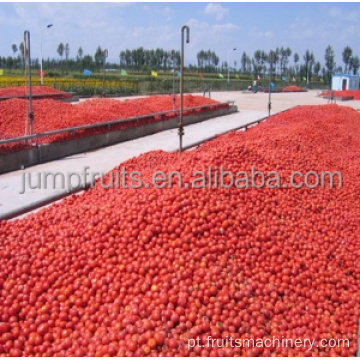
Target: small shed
{"points": [[341, 82]]}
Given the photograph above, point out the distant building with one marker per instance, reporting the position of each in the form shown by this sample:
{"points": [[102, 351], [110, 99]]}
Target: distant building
{"points": [[341, 82]]}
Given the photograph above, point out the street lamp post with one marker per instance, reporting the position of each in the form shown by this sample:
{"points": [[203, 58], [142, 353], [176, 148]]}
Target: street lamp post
{"points": [[29, 127], [228, 80], [41, 60], [105, 55], [173, 64], [271, 55], [181, 123]]}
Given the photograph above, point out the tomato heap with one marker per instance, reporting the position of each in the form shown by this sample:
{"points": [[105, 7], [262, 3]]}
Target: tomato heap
{"points": [[293, 88], [345, 93], [136, 272], [53, 115], [21, 91]]}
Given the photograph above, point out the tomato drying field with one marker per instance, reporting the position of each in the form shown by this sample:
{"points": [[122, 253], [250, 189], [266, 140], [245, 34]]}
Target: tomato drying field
{"points": [[22, 91], [293, 88], [52, 115], [343, 94], [135, 272]]}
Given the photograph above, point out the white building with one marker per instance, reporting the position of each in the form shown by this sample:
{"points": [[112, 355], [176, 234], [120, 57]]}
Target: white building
{"points": [[341, 82]]}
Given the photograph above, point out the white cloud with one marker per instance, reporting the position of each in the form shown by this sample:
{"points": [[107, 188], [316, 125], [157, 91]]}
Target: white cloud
{"points": [[166, 11], [225, 28], [338, 14], [20, 11], [353, 16], [198, 25], [217, 10], [217, 26], [335, 12], [261, 34]]}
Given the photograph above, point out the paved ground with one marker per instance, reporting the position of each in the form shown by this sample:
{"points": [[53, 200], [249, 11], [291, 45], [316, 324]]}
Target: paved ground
{"points": [[251, 107]]}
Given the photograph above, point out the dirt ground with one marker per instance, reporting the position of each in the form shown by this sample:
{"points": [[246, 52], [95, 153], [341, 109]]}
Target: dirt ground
{"points": [[279, 101], [246, 100]]}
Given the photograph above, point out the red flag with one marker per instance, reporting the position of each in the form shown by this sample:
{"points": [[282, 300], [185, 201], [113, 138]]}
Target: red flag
{"points": [[201, 76]]}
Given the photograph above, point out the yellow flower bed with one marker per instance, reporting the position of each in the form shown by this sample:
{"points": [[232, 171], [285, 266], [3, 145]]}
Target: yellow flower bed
{"points": [[59, 83]]}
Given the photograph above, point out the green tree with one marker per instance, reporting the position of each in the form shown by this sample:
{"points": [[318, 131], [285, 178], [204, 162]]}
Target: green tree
{"points": [[248, 64], [200, 59], [284, 59], [243, 63], [14, 49], [354, 64], [317, 68], [87, 62], [259, 60], [67, 53], [296, 60], [277, 58], [346, 55], [309, 61], [22, 53], [264, 58], [122, 58], [256, 62], [99, 55], [60, 50], [80, 53], [214, 59], [330, 64], [9, 62]]}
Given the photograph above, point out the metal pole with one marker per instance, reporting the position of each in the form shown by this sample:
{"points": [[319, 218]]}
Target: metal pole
{"points": [[181, 124], [173, 61], [41, 60], [358, 350], [228, 80], [269, 104], [308, 73], [41, 57], [105, 55], [27, 58]]}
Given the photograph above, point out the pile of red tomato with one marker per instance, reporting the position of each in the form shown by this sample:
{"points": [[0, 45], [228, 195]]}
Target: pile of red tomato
{"points": [[51, 115], [137, 272], [343, 94], [293, 88], [22, 91]]}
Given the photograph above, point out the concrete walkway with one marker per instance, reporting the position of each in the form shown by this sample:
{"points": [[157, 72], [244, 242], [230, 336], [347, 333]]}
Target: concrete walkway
{"points": [[251, 107], [13, 200]]}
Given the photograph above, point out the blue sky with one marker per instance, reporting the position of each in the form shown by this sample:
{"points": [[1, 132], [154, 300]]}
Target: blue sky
{"points": [[219, 26]]}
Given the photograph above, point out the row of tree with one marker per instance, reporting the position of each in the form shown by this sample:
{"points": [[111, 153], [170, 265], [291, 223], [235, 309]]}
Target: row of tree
{"points": [[280, 60], [141, 59]]}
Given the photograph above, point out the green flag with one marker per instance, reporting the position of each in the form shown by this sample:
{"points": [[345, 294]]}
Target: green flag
{"points": [[304, 78], [123, 72], [221, 76]]}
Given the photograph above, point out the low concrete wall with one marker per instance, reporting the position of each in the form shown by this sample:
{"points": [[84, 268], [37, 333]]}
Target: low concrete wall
{"points": [[57, 150]]}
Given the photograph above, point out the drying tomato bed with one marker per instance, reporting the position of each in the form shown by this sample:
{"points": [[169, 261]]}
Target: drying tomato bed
{"points": [[52, 115], [343, 94], [22, 91], [293, 88], [135, 272]]}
